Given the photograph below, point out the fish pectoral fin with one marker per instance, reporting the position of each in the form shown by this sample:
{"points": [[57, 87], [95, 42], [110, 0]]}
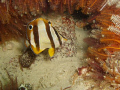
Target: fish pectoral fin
{"points": [[35, 50], [51, 51], [27, 43]]}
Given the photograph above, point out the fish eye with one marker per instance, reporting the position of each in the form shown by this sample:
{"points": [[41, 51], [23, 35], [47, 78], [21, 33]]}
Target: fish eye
{"points": [[30, 27], [49, 22]]}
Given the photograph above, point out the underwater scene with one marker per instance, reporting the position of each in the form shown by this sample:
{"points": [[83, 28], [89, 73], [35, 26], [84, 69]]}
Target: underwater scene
{"points": [[59, 44]]}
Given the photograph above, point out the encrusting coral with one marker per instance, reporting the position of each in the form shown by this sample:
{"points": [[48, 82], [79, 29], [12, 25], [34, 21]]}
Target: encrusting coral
{"points": [[103, 15]]}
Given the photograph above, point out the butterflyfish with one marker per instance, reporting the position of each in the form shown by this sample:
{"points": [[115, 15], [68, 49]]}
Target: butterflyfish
{"points": [[42, 35]]}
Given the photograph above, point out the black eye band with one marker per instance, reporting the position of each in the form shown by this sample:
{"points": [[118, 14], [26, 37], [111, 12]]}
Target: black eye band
{"points": [[30, 27]]}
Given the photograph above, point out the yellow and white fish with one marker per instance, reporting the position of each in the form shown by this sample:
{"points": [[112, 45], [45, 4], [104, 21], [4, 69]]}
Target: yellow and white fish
{"points": [[41, 35]]}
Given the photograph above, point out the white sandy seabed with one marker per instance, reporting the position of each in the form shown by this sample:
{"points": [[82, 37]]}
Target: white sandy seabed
{"points": [[54, 74]]}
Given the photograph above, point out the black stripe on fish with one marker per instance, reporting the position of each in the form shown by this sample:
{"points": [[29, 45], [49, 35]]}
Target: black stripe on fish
{"points": [[36, 36], [60, 42], [49, 34]]}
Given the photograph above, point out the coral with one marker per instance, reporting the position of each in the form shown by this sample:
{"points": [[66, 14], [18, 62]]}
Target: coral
{"points": [[110, 29], [93, 5], [15, 15], [103, 15], [106, 69], [103, 56]]}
